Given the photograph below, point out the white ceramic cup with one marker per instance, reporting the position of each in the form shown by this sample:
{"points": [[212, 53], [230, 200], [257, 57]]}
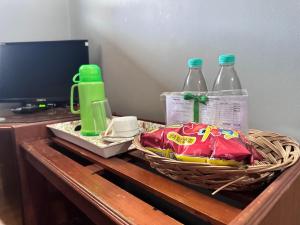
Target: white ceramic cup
{"points": [[126, 126]]}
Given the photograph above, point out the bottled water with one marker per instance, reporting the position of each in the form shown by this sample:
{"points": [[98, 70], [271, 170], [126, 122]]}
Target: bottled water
{"points": [[227, 78], [195, 80]]}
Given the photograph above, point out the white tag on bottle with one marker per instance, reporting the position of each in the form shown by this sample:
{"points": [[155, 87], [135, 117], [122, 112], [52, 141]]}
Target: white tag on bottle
{"points": [[226, 111], [229, 112], [178, 110]]}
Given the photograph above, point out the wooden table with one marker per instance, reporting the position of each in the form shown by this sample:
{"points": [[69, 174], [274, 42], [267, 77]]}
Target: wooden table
{"points": [[10, 194], [125, 190]]}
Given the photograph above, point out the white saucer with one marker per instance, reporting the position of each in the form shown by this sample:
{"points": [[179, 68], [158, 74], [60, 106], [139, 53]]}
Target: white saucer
{"points": [[115, 138]]}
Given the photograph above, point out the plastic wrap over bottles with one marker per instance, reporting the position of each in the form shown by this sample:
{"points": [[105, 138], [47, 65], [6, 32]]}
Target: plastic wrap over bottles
{"points": [[225, 109]]}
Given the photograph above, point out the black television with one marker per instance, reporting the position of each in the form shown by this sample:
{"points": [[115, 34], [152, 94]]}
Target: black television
{"points": [[33, 72]]}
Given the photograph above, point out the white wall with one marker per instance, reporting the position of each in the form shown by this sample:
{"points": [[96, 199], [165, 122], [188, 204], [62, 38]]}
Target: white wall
{"points": [[33, 20], [143, 46]]}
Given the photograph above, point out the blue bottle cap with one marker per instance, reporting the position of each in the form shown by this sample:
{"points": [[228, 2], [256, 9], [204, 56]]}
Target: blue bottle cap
{"points": [[195, 62], [226, 59]]}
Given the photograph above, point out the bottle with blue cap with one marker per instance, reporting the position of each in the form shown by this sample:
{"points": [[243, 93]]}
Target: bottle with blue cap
{"points": [[227, 78], [195, 80]]}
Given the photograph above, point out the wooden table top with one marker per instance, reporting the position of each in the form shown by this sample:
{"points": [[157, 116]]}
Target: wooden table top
{"points": [[128, 191]]}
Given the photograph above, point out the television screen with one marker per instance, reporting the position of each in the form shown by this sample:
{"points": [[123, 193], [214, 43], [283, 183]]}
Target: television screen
{"points": [[40, 70]]}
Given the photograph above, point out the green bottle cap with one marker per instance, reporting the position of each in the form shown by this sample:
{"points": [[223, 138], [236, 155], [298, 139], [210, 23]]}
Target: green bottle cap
{"points": [[195, 62], [226, 59], [90, 73]]}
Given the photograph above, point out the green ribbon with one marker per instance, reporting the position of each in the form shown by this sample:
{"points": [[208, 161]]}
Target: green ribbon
{"points": [[197, 99]]}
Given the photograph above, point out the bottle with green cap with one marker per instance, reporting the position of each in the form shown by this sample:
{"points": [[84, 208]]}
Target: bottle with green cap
{"points": [[194, 80], [92, 100], [227, 78]]}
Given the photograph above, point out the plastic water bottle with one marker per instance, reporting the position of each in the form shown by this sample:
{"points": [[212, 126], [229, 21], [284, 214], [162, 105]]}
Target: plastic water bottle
{"points": [[227, 78], [195, 80]]}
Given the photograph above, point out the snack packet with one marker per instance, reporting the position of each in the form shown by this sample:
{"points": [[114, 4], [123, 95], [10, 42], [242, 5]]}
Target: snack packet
{"points": [[154, 141], [202, 143]]}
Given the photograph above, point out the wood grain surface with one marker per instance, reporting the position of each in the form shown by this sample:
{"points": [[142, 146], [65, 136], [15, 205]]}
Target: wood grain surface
{"points": [[120, 206]]}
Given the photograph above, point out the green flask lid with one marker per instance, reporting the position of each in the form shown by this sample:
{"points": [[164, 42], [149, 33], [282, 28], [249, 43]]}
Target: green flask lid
{"points": [[88, 73], [195, 62], [226, 59]]}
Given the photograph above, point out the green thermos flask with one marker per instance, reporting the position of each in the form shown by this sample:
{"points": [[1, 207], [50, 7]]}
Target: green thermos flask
{"points": [[91, 100]]}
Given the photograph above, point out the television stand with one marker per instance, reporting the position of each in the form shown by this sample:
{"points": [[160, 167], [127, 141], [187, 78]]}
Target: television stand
{"points": [[58, 113]]}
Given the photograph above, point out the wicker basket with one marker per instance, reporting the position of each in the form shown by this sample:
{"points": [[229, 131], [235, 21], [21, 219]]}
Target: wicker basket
{"points": [[279, 152]]}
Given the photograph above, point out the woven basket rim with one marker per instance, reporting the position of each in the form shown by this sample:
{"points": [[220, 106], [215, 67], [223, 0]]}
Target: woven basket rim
{"points": [[138, 145], [286, 149]]}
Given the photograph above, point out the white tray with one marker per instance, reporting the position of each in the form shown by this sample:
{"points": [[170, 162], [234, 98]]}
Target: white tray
{"points": [[95, 144]]}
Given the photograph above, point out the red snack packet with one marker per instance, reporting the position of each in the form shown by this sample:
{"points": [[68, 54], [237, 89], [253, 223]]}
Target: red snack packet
{"points": [[201, 143], [186, 141], [155, 141]]}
